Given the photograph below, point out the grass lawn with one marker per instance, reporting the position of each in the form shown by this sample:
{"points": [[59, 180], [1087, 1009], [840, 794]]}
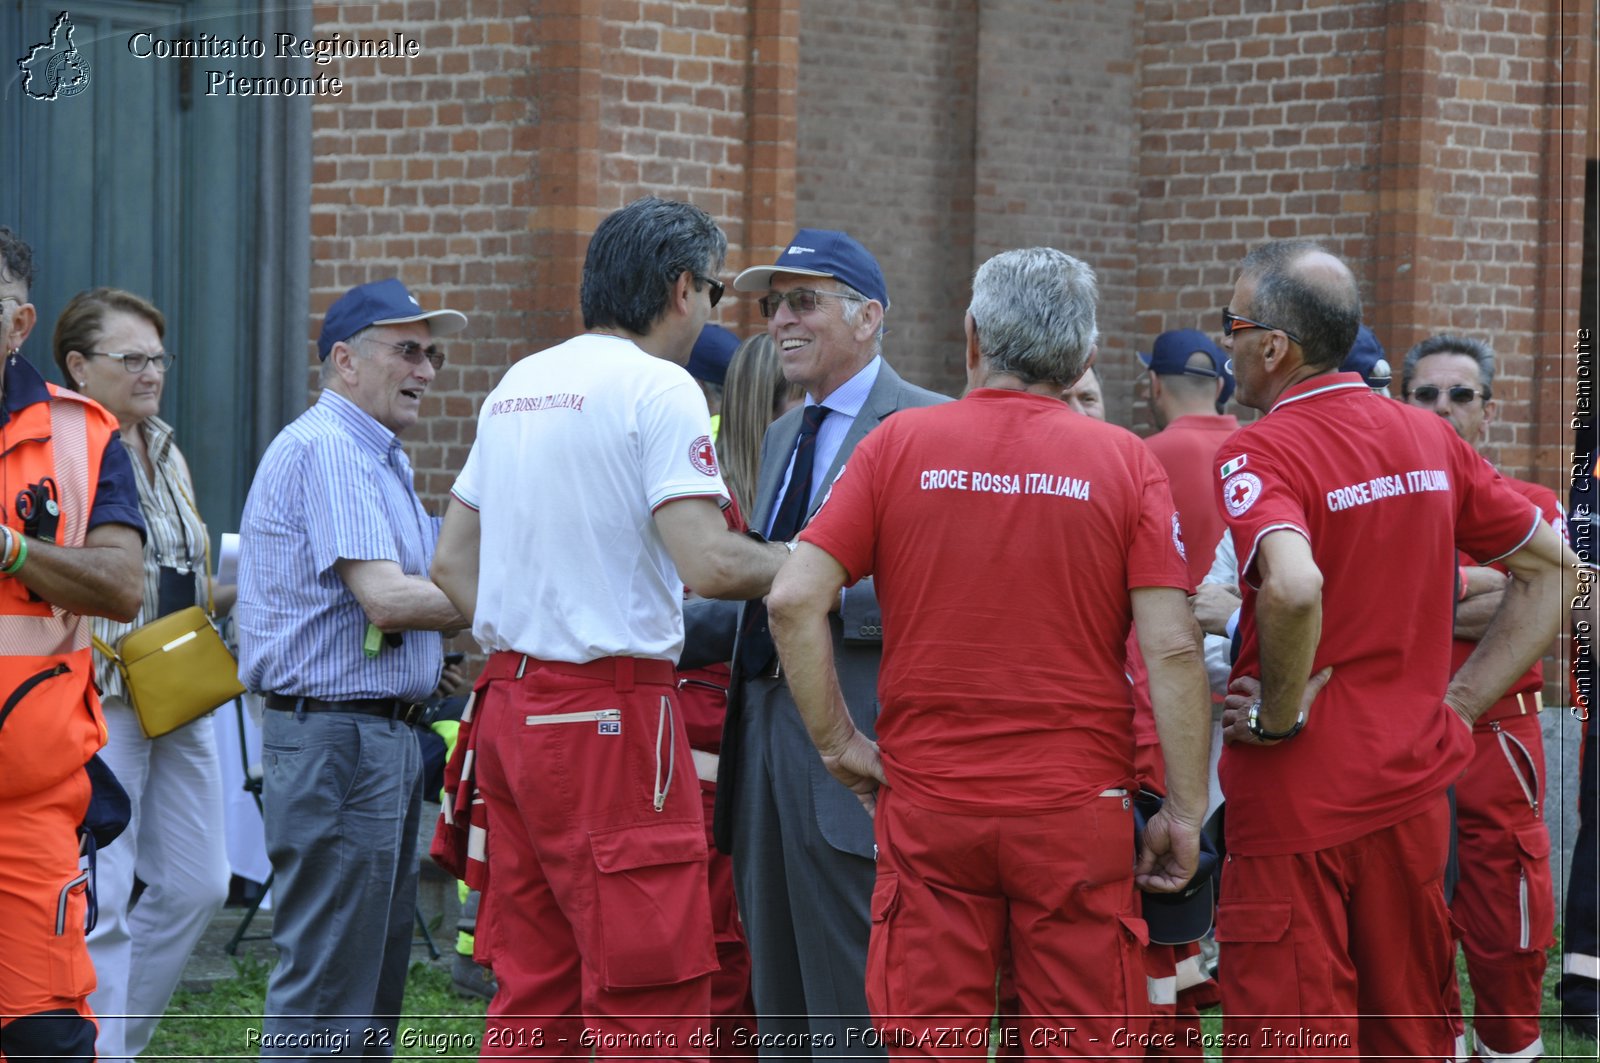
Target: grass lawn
{"points": [[437, 1024], [225, 1023], [1558, 1044]]}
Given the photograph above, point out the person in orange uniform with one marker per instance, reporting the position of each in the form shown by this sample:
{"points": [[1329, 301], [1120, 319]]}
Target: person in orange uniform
{"points": [[70, 547]]}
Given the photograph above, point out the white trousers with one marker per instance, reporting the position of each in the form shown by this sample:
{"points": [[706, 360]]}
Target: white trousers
{"points": [[175, 844]]}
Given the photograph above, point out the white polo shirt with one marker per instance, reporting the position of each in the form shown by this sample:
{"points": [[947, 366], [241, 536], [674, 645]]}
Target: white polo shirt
{"points": [[576, 449]]}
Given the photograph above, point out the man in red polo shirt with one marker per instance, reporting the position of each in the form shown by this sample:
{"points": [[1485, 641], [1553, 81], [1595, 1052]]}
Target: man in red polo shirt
{"points": [[1012, 543], [1188, 381], [1337, 824], [1504, 902]]}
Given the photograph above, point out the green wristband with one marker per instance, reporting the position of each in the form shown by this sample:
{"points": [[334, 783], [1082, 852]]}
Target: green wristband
{"points": [[22, 555]]}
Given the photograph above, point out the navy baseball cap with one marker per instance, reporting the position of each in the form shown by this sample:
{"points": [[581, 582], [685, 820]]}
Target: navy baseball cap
{"points": [[712, 353], [1367, 358], [1185, 916], [1172, 350], [385, 302], [822, 253], [1171, 353]]}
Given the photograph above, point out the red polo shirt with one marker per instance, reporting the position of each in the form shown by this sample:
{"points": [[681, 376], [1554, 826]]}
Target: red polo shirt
{"points": [[1381, 491], [1004, 533], [1185, 448]]}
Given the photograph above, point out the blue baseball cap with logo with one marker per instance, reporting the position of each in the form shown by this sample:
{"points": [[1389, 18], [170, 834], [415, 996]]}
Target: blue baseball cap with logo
{"points": [[822, 253], [385, 302]]}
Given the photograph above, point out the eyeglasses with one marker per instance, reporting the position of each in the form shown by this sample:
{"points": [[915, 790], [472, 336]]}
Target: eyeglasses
{"points": [[800, 300], [1232, 323], [1428, 394], [414, 352], [717, 287], [135, 361]]}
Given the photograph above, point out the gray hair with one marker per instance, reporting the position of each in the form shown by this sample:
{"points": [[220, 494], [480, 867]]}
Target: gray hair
{"points": [[1034, 313], [1449, 343], [851, 309]]}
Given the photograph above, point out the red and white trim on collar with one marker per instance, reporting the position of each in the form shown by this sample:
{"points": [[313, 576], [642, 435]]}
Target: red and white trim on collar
{"points": [[1322, 384]]}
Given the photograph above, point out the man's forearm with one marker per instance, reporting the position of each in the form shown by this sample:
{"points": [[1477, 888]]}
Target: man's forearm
{"points": [[1517, 635], [1180, 697], [805, 645], [456, 558], [740, 568], [797, 609], [1181, 701], [459, 584], [100, 578], [1288, 629], [422, 606]]}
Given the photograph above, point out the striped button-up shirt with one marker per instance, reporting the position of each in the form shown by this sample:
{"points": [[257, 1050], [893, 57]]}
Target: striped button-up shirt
{"points": [[334, 484], [175, 537]]}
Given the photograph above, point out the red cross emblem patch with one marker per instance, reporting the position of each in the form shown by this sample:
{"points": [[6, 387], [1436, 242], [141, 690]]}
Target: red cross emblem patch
{"points": [[1241, 492], [703, 456]]}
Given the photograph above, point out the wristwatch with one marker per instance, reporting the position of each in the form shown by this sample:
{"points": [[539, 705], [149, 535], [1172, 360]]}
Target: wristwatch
{"points": [[1253, 723]]}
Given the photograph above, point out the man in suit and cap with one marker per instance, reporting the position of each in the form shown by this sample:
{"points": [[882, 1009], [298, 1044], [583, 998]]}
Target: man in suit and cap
{"points": [[801, 843]]}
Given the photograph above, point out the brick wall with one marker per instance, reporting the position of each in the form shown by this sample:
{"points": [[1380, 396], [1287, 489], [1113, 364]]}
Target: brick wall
{"points": [[1253, 127], [477, 171], [421, 170], [1056, 155], [1432, 145], [885, 152], [1435, 145]]}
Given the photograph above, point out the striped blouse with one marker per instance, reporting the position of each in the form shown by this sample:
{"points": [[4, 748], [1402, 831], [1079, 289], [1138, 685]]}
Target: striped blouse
{"points": [[176, 538]]}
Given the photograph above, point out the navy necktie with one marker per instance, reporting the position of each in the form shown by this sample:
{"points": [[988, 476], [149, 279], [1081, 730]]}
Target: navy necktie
{"points": [[791, 514], [755, 645]]}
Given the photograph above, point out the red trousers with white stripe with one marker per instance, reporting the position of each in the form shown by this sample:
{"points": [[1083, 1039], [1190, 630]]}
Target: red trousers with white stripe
{"points": [[1504, 903], [596, 918]]}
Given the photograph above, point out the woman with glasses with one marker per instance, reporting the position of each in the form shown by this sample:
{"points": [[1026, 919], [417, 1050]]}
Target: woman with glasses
{"points": [[108, 345]]}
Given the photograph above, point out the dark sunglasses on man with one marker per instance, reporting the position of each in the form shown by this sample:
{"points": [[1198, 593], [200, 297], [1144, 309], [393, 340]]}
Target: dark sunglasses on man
{"points": [[1460, 395]]}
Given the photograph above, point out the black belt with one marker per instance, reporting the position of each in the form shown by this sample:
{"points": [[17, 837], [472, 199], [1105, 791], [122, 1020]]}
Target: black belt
{"points": [[408, 713]]}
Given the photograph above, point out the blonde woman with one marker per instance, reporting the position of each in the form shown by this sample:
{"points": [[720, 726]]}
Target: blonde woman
{"points": [[753, 396]]}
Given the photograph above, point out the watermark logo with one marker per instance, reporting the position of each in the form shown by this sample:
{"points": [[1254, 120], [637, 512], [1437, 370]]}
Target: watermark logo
{"points": [[55, 69]]}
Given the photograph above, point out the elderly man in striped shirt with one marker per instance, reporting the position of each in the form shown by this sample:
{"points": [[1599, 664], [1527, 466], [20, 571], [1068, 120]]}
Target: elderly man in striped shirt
{"points": [[339, 630]]}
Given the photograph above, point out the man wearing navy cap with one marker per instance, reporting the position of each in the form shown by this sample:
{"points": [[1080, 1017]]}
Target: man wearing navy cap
{"points": [[339, 631], [1189, 380], [802, 844]]}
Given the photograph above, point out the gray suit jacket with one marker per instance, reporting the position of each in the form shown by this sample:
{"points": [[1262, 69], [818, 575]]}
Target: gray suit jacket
{"points": [[857, 631]]}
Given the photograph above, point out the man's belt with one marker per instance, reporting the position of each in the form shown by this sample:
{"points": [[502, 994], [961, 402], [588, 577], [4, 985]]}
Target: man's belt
{"points": [[1529, 703], [408, 713]]}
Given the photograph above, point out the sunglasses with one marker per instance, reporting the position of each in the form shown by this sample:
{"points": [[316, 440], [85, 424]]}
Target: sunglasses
{"points": [[414, 352], [1427, 394], [717, 287], [1232, 323], [800, 300]]}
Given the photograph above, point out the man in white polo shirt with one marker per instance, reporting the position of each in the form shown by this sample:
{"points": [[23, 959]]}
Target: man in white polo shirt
{"points": [[591, 487]]}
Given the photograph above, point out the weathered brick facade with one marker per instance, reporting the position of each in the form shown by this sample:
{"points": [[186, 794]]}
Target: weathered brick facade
{"points": [[1438, 146]]}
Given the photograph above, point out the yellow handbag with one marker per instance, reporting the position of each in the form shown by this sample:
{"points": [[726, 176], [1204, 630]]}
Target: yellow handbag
{"points": [[174, 669]]}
